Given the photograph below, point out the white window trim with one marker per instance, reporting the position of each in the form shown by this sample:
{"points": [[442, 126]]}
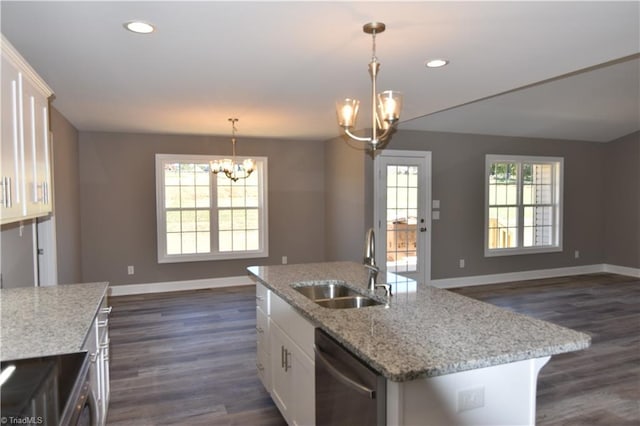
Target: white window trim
{"points": [[163, 257], [494, 158]]}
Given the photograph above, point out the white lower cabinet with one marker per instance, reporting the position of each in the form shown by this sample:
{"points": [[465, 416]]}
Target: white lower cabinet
{"points": [[97, 344], [263, 356], [262, 335], [291, 370]]}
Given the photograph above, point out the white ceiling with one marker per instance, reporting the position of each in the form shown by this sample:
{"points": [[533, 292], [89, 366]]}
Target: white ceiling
{"points": [[280, 66]]}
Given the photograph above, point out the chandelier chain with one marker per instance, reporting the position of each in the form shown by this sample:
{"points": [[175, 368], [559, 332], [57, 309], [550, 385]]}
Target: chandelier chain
{"points": [[374, 58]]}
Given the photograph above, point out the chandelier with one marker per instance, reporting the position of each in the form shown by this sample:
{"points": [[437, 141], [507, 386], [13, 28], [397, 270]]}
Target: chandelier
{"points": [[386, 106], [229, 167]]}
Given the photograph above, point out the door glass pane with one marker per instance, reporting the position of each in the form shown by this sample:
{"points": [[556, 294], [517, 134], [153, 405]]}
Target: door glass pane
{"points": [[402, 198]]}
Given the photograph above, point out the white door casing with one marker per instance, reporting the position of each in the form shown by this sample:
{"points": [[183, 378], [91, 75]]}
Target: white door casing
{"points": [[402, 214]]}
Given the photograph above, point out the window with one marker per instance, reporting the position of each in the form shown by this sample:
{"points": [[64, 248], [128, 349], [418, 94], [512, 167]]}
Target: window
{"points": [[523, 199], [204, 216]]}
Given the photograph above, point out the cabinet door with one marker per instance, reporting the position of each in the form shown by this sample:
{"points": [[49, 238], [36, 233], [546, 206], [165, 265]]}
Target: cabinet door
{"points": [[91, 346], [36, 150], [281, 377], [103, 350], [304, 406], [11, 202]]}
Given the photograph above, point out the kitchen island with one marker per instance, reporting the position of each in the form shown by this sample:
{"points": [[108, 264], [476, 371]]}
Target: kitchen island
{"points": [[432, 345]]}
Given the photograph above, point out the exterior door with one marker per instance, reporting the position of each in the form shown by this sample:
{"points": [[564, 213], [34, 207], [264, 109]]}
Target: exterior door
{"points": [[402, 218]]}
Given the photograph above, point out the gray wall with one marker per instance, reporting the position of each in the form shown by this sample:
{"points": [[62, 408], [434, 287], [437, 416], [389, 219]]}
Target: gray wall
{"points": [[622, 201], [345, 201], [117, 199], [66, 184], [458, 182], [17, 255]]}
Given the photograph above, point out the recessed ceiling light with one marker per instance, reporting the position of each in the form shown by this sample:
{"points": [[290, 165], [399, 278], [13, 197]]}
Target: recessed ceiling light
{"points": [[436, 63], [139, 27]]}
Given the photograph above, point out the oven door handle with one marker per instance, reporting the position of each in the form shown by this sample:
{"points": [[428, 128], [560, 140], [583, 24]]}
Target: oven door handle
{"points": [[338, 375]]}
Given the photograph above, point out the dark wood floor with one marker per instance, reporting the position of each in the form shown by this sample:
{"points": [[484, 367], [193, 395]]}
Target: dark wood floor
{"points": [[597, 386], [189, 358]]}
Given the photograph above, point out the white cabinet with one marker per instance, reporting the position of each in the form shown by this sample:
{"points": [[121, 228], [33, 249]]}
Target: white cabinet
{"points": [[292, 368], [97, 344], [37, 174], [292, 379], [11, 201], [262, 335], [25, 174]]}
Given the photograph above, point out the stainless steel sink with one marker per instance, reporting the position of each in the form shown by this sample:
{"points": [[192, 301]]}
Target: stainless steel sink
{"points": [[335, 295], [348, 302]]}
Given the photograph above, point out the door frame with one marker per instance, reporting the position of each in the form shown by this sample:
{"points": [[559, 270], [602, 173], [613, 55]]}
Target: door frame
{"points": [[46, 254], [425, 158]]}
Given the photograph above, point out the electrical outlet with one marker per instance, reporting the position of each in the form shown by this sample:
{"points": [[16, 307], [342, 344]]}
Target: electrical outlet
{"points": [[576, 254], [461, 263], [130, 270], [284, 260], [470, 399]]}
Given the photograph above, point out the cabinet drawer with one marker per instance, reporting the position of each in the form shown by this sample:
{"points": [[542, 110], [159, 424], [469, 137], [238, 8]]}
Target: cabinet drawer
{"points": [[263, 296], [293, 324]]}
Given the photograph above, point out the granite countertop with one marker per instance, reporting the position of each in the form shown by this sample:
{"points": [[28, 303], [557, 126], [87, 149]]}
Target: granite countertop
{"points": [[424, 331], [41, 321]]}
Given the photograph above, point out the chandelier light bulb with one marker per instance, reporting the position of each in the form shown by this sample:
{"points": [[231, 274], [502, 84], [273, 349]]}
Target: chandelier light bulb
{"points": [[390, 103], [347, 111]]}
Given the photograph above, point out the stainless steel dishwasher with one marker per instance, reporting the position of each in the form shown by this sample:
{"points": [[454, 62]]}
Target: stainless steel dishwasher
{"points": [[347, 391]]}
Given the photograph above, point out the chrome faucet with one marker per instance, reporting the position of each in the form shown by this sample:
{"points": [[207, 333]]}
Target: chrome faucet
{"points": [[370, 260], [370, 264]]}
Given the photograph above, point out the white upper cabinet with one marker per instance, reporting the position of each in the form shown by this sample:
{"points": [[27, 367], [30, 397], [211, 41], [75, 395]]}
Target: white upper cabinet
{"points": [[11, 164], [25, 174]]}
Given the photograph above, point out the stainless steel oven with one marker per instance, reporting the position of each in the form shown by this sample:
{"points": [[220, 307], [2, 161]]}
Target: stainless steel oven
{"points": [[348, 392], [52, 390]]}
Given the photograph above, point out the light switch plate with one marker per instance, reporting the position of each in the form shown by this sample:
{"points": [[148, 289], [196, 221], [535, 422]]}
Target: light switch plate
{"points": [[435, 215], [435, 204]]}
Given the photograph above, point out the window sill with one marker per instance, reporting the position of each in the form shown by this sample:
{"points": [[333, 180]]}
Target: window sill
{"points": [[212, 257], [521, 251]]}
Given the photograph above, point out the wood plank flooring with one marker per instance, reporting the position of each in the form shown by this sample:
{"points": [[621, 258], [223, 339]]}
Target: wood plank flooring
{"points": [[188, 358], [596, 386]]}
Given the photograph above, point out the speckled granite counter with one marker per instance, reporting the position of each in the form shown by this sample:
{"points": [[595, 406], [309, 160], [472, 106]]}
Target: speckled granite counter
{"points": [[40, 321], [424, 331]]}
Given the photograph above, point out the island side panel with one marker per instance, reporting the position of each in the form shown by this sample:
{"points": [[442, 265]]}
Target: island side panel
{"points": [[498, 395]]}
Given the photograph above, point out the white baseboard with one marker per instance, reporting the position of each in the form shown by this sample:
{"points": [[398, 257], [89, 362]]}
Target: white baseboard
{"points": [[163, 287], [168, 286], [517, 276], [622, 270]]}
